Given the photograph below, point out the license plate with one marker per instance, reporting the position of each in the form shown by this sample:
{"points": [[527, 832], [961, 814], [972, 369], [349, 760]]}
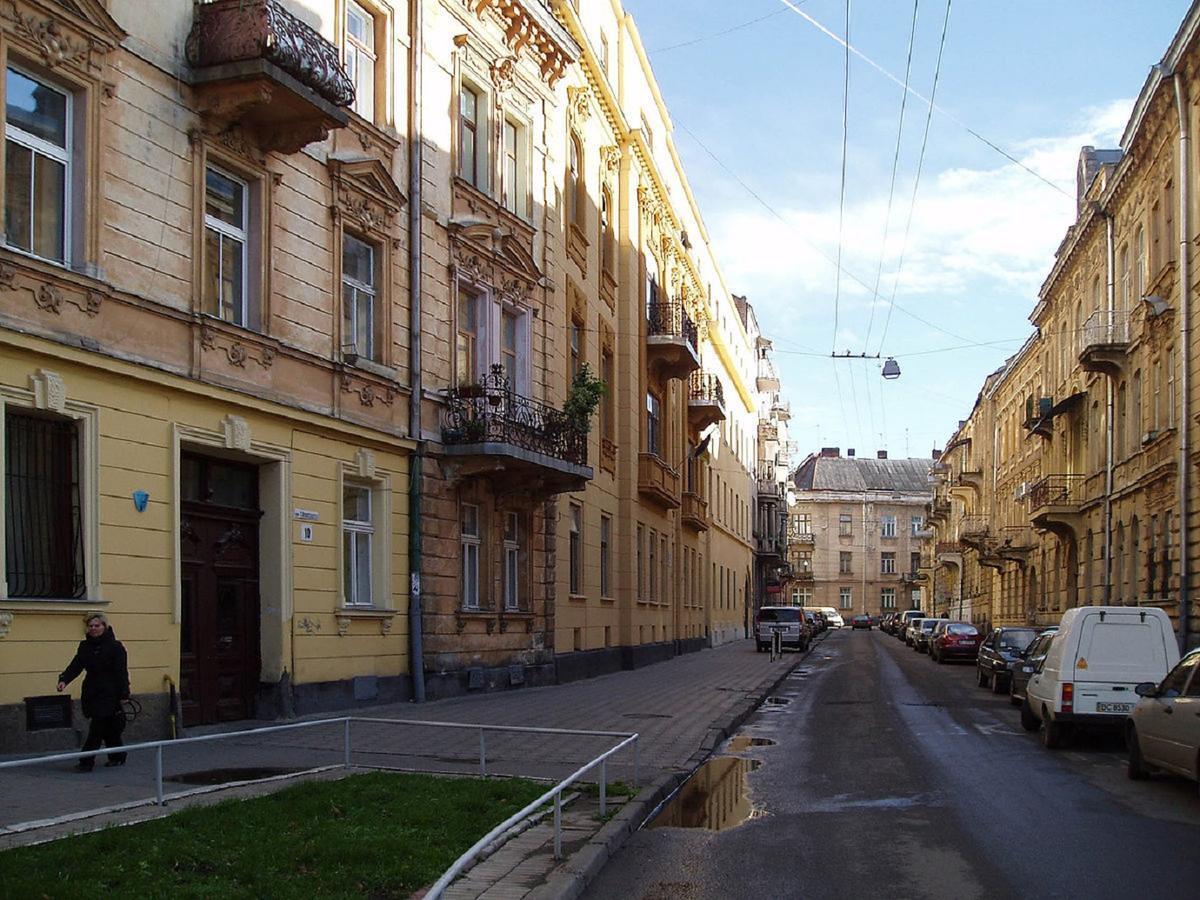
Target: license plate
{"points": [[1114, 707]]}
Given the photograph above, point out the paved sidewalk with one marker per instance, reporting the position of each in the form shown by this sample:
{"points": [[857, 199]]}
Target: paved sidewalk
{"points": [[681, 708]]}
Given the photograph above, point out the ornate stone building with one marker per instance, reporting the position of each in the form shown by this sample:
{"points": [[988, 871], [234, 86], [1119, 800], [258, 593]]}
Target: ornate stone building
{"points": [[1071, 480], [857, 532]]}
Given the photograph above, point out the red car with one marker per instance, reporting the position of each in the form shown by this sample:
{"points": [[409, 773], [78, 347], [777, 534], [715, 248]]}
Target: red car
{"points": [[955, 640]]}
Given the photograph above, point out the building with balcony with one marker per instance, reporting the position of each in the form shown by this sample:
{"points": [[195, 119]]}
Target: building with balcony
{"points": [[1083, 434], [858, 525]]}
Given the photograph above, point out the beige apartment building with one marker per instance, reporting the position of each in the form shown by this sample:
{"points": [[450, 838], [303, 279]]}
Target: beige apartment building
{"points": [[857, 532], [293, 298], [1073, 481]]}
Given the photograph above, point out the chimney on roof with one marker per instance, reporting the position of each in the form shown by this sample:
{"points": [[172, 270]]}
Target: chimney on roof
{"points": [[850, 452], [936, 454], [830, 452], [881, 454]]}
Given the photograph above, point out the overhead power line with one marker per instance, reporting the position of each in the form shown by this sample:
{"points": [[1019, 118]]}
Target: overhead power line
{"points": [[837, 291], [717, 34], [790, 4]]}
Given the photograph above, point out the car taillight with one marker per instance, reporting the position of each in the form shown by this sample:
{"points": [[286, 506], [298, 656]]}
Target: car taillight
{"points": [[1068, 697]]}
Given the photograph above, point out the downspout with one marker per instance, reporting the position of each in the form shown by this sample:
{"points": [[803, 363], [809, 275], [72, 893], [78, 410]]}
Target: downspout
{"points": [[1185, 337], [416, 652], [1111, 290]]}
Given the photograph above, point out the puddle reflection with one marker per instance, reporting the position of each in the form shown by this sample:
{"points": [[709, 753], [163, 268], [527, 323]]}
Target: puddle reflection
{"points": [[714, 798], [744, 741]]}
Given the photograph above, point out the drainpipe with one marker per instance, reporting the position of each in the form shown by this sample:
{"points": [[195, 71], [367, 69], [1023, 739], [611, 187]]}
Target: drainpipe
{"points": [[1185, 337], [416, 652], [1111, 290]]}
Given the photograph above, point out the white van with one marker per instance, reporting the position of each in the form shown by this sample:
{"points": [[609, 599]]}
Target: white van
{"points": [[833, 617], [1097, 658]]}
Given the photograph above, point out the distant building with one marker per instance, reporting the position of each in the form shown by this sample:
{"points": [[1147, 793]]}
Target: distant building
{"points": [[856, 532]]}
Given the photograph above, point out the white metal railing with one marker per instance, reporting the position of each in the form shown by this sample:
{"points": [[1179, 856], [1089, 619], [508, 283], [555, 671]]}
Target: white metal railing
{"points": [[555, 793], [1105, 327]]}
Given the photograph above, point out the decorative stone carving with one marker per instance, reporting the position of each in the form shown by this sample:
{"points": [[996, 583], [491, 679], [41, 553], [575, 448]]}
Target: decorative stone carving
{"points": [[385, 625], [49, 298], [502, 71], [56, 46], [579, 102], [368, 393], [6, 619], [308, 626], [49, 391], [364, 462], [343, 625], [235, 351], [8, 276], [237, 433], [610, 157]]}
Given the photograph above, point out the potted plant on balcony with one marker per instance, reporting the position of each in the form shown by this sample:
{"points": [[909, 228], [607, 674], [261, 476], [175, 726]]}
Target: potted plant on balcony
{"points": [[583, 399]]}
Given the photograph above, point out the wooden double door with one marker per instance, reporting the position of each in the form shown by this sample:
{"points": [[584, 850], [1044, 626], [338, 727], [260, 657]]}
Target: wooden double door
{"points": [[220, 657]]}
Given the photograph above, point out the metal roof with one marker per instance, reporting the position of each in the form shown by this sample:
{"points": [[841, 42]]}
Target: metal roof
{"points": [[855, 473]]}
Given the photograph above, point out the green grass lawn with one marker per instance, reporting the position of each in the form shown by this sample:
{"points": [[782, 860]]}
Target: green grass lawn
{"points": [[376, 835]]}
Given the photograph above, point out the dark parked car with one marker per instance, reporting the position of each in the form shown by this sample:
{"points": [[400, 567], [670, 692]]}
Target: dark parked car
{"points": [[956, 640], [861, 622], [1030, 659], [921, 630], [999, 653], [885, 624]]}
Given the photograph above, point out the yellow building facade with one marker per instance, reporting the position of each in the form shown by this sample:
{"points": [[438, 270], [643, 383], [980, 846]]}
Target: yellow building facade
{"points": [[1072, 479]]}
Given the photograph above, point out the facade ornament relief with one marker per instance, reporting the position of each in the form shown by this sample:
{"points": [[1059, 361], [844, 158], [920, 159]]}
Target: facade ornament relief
{"points": [[8, 276], [343, 625], [579, 102], [610, 157], [6, 619], [237, 433], [368, 393], [49, 298], [385, 625], [235, 351], [49, 391], [503, 71], [55, 45], [364, 463], [308, 626]]}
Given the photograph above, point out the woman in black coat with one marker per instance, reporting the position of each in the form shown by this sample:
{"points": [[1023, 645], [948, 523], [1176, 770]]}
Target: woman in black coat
{"points": [[105, 685]]}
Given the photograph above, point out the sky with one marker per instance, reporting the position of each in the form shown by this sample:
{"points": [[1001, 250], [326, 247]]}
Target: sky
{"points": [[939, 271]]}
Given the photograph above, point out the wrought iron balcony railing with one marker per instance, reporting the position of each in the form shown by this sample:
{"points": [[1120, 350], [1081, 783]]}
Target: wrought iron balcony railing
{"points": [[1105, 328], [491, 412], [229, 31], [668, 318], [706, 388], [1056, 490]]}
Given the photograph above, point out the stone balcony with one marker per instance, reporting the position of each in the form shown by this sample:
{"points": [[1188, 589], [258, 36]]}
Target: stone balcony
{"points": [[1104, 344], [672, 348], [489, 427], [1054, 503], [257, 66], [657, 481], [706, 400], [694, 512]]}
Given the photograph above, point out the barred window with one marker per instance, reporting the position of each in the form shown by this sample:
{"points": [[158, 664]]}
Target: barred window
{"points": [[43, 523]]}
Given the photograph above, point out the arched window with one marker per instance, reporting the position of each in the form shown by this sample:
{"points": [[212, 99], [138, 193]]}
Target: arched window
{"points": [[1135, 562], [1139, 267], [607, 237], [1126, 286], [575, 183], [1118, 558], [1121, 423], [1135, 411]]}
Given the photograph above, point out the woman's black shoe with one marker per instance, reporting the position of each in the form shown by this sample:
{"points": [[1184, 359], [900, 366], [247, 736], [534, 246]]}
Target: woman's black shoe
{"points": [[114, 762]]}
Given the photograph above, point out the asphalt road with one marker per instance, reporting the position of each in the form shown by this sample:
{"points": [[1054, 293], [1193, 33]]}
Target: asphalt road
{"points": [[895, 777]]}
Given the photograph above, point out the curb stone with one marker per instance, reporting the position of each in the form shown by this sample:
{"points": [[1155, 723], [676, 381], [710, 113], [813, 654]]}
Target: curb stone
{"points": [[571, 878]]}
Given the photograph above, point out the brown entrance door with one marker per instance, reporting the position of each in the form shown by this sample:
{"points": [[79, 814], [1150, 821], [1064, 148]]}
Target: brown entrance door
{"points": [[219, 662]]}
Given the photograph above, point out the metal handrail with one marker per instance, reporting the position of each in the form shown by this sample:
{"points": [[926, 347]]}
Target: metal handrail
{"points": [[463, 861]]}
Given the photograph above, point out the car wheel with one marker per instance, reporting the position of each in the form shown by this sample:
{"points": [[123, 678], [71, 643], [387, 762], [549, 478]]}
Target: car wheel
{"points": [[998, 685], [1013, 699], [1054, 734], [1136, 770], [1029, 721], [980, 678], [759, 647], [941, 660]]}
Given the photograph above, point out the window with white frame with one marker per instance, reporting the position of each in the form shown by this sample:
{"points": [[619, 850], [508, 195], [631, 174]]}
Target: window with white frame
{"points": [[887, 526], [605, 556], [845, 598], [887, 598], [653, 424], [575, 186], [469, 539], [845, 524], [466, 338], [360, 58], [803, 597], [512, 561], [472, 136], [916, 598], [226, 230], [358, 299], [887, 563], [358, 532], [575, 547], [37, 168], [514, 184], [916, 524]]}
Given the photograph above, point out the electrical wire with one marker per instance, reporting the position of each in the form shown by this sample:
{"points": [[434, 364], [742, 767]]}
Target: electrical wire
{"points": [[887, 218], [717, 34], [937, 69], [949, 115], [837, 291]]}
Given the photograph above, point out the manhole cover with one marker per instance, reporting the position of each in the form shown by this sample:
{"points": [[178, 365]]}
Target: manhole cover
{"points": [[225, 776]]}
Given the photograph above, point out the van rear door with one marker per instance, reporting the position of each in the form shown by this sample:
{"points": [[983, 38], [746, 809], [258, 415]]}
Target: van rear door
{"points": [[1117, 650]]}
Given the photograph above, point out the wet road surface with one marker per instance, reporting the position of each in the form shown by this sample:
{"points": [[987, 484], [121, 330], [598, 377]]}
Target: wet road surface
{"points": [[892, 776]]}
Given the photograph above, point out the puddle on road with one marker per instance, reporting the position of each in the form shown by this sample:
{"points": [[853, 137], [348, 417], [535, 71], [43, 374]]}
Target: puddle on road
{"points": [[777, 701], [744, 742], [713, 798], [225, 776]]}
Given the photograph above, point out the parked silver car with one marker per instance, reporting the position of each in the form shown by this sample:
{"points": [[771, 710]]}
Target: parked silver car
{"points": [[1163, 731]]}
